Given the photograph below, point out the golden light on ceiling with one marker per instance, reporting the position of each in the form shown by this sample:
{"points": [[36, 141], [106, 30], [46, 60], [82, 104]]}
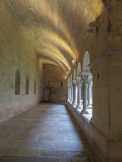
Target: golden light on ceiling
{"points": [[55, 56], [53, 37], [51, 26]]}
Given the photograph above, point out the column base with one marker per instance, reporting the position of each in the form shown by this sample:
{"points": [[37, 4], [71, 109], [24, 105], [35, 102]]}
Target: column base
{"points": [[84, 111], [74, 105], [89, 107], [79, 106], [68, 100], [71, 102]]}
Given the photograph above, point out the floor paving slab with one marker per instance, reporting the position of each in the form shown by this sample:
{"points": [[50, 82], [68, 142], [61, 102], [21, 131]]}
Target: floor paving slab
{"points": [[45, 133]]}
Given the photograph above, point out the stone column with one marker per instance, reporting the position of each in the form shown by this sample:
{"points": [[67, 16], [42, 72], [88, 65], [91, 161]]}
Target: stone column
{"points": [[78, 97], [85, 86], [68, 93], [72, 89], [89, 94], [74, 95], [71, 94], [81, 94], [79, 103]]}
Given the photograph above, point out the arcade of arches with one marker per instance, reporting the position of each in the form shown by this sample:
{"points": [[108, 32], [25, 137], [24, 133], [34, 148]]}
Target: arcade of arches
{"points": [[67, 54]]}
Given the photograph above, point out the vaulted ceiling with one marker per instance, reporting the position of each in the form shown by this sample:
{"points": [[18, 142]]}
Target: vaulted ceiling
{"points": [[56, 28]]}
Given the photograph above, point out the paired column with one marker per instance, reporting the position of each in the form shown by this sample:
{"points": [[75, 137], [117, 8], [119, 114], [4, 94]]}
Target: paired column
{"points": [[80, 93]]}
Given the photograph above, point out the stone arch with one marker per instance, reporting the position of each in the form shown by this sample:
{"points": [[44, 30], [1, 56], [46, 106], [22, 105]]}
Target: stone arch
{"points": [[17, 82]]}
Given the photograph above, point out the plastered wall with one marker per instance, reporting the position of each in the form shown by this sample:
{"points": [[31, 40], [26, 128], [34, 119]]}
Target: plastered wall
{"points": [[16, 53]]}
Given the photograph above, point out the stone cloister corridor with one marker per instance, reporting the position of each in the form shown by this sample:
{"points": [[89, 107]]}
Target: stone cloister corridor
{"points": [[61, 80], [45, 133]]}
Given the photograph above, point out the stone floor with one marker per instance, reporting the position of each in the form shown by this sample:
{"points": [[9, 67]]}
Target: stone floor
{"points": [[46, 133]]}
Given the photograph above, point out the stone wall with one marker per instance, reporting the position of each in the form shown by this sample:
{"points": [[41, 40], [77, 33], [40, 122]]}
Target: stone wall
{"points": [[16, 53], [54, 78], [104, 130]]}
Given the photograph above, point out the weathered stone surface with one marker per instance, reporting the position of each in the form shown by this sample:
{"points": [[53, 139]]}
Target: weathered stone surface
{"points": [[59, 140], [55, 32], [54, 79]]}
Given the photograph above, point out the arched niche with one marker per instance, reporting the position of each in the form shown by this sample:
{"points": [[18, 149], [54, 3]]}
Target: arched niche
{"points": [[34, 86], [78, 69], [86, 62], [17, 82], [27, 84]]}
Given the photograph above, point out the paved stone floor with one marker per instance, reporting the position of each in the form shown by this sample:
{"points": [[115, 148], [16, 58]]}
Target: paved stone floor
{"points": [[46, 133]]}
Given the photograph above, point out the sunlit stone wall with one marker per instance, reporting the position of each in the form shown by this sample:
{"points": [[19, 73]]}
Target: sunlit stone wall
{"points": [[16, 53]]}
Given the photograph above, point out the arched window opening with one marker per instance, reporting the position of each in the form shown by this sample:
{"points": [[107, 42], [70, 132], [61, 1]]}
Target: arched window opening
{"points": [[70, 90], [75, 89], [69, 93], [87, 85], [35, 87], [86, 62], [79, 88], [27, 84], [17, 82], [76, 94], [61, 84]]}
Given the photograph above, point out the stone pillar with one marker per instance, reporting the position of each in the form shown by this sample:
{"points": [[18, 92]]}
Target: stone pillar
{"points": [[81, 94], [79, 102], [78, 97], [89, 94], [68, 93], [85, 86], [74, 95], [72, 89]]}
